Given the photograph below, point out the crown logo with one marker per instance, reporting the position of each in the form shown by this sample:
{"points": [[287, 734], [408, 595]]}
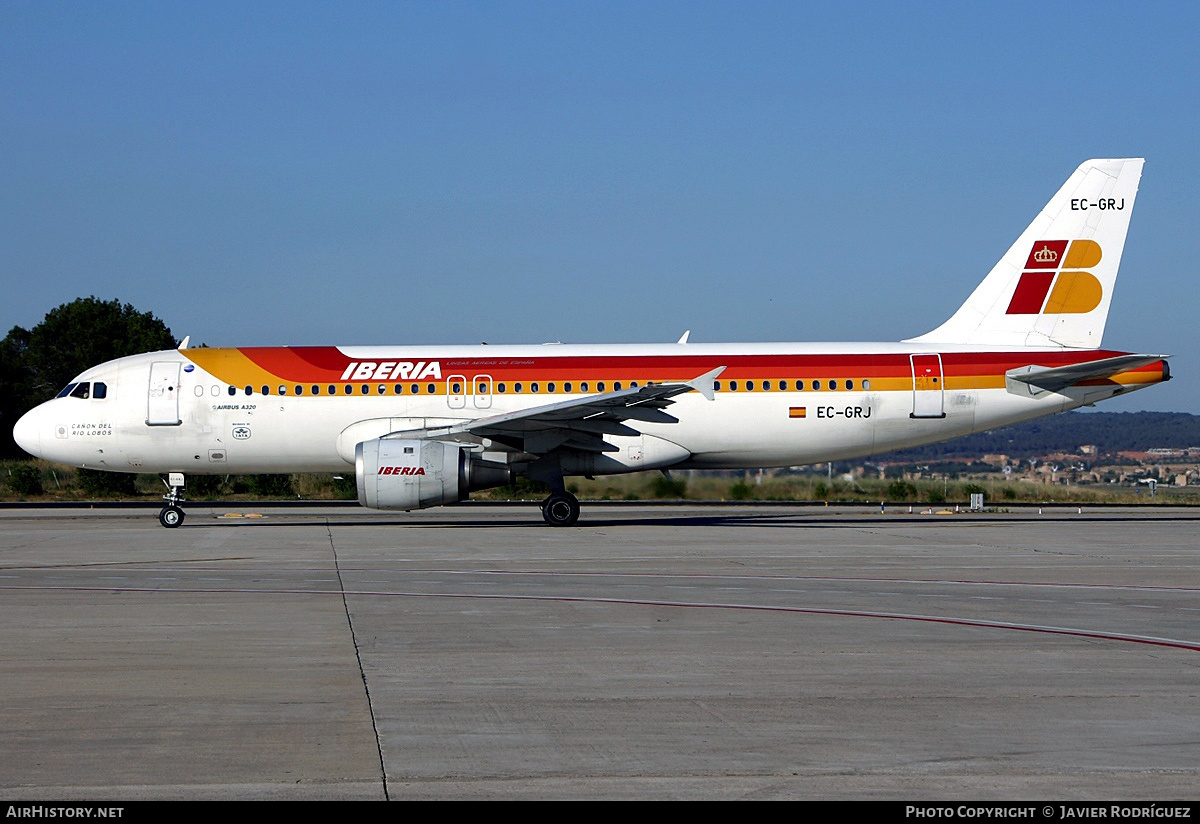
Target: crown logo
{"points": [[1055, 282], [1045, 255]]}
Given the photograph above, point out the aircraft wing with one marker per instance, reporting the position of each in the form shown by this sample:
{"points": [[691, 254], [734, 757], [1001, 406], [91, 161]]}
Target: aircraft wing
{"points": [[580, 423], [1034, 380]]}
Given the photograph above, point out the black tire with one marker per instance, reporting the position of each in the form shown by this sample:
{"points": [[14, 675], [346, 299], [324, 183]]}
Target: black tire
{"points": [[170, 516], [561, 509]]}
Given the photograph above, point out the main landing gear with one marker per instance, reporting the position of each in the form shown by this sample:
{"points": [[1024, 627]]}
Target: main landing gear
{"points": [[561, 509], [171, 515]]}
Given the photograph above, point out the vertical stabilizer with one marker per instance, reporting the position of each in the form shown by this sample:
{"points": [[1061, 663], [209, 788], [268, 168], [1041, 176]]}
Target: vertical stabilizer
{"points": [[1054, 285]]}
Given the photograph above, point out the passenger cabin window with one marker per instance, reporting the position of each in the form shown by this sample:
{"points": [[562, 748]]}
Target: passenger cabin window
{"points": [[249, 390]]}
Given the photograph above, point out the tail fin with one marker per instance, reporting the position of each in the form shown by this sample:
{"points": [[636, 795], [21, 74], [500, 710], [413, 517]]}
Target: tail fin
{"points": [[1054, 285]]}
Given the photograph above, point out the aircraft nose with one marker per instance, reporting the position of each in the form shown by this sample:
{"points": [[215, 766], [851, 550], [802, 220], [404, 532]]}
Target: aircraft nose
{"points": [[28, 432]]}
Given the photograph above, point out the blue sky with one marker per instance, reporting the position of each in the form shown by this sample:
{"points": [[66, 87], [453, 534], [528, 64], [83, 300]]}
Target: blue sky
{"points": [[452, 172]]}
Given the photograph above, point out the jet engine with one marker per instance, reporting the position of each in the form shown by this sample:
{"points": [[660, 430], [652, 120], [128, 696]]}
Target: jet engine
{"points": [[413, 473]]}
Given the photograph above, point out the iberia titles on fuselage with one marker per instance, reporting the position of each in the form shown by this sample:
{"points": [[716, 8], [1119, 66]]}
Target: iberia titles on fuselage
{"points": [[422, 426]]}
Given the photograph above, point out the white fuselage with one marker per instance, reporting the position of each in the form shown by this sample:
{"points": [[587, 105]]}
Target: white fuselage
{"points": [[207, 411]]}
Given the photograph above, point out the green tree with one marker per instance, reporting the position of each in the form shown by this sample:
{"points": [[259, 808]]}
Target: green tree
{"points": [[901, 491], [740, 491], [25, 479], [270, 486], [663, 487], [96, 483], [15, 397], [36, 363]]}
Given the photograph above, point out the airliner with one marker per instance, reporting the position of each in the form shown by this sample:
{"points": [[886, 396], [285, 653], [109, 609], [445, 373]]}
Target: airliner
{"points": [[422, 426]]}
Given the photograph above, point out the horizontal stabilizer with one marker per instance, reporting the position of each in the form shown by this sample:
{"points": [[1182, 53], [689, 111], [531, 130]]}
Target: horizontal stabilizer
{"points": [[1034, 380]]}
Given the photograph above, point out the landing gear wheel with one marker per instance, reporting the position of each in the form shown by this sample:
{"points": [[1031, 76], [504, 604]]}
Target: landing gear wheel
{"points": [[561, 509], [170, 516]]}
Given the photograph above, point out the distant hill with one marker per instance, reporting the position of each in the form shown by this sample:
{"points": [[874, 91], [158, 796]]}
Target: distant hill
{"points": [[1110, 431]]}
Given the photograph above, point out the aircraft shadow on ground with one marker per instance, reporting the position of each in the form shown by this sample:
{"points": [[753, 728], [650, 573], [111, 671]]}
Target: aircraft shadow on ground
{"points": [[715, 520]]}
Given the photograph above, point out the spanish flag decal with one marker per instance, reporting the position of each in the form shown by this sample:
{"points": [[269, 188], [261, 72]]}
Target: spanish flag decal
{"points": [[797, 411]]}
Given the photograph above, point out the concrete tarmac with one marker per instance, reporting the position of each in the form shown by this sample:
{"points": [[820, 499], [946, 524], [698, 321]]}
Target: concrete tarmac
{"points": [[651, 652]]}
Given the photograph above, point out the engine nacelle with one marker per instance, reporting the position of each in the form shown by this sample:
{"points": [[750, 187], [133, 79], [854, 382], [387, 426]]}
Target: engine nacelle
{"points": [[412, 473]]}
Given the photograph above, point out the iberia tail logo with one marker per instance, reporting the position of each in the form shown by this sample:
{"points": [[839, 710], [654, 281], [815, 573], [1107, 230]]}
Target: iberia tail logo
{"points": [[1055, 268]]}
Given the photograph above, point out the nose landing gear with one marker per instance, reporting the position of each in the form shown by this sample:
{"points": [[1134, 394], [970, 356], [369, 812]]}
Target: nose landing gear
{"points": [[171, 515]]}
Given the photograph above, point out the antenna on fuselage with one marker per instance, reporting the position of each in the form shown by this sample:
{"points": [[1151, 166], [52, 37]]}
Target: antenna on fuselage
{"points": [[183, 344]]}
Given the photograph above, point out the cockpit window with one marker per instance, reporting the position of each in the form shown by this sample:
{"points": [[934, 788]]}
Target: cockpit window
{"points": [[85, 390]]}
